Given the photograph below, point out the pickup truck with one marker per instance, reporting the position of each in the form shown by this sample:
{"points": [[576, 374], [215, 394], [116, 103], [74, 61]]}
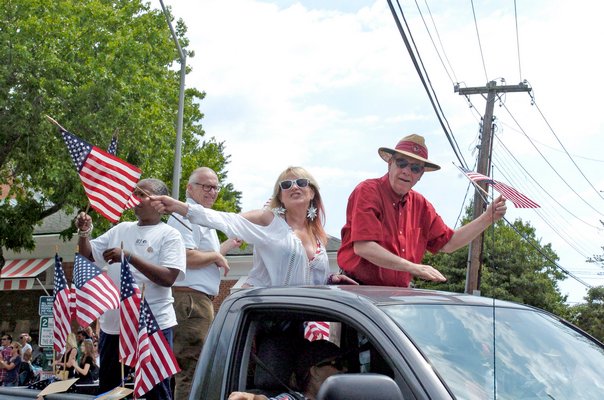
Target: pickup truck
{"points": [[398, 344], [401, 344]]}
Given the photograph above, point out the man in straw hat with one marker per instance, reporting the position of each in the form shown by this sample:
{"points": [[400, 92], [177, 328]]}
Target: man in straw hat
{"points": [[389, 226]]}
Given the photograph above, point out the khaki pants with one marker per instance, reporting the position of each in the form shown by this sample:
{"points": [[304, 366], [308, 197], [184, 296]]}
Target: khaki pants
{"points": [[194, 313]]}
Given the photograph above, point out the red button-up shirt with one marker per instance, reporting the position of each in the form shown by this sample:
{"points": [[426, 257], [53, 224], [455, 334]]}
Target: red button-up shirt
{"points": [[406, 227]]}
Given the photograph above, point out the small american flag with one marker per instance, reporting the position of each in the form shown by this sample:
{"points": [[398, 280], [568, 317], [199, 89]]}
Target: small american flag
{"points": [[108, 181], [129, 313], [133, 201], [112, 149], [95, 291], [155, 360], [316, 330], [519, 199], [61, 307]]}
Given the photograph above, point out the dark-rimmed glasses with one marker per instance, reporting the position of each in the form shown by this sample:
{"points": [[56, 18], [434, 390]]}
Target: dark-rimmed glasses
{"points": [[208, 188], [337, 363], [300, 182], [402, 163]]}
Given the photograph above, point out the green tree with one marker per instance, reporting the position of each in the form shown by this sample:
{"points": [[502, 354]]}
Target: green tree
{"points": [[513, 268], [97, 67], [590, 315]]}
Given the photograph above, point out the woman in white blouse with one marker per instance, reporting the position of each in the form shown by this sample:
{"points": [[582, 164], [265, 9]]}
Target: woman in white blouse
{"points": [[288, 236]]}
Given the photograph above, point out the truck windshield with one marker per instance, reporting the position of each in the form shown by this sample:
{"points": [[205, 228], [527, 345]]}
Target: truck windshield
{"points": [[525, 354]]}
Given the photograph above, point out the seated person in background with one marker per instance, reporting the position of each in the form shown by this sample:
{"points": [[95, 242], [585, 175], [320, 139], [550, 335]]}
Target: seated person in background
{"points": [[69, 359], [26, 371], [24, 340], [12, 365], [318, 360], [85, 369]]}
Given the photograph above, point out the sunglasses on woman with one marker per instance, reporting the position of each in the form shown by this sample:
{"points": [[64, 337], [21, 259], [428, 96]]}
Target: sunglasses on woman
{"points": [[300, 182]]}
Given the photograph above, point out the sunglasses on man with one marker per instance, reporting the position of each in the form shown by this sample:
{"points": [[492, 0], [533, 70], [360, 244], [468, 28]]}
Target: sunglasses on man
{"points": [[403, 163], [300, 182], [337, 363]]}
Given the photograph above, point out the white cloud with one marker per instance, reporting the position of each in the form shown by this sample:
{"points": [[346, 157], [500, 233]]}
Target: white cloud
{"points": [[292, 84]]}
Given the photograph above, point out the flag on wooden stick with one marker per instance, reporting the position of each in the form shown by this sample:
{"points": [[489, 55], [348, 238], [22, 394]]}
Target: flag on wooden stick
{"points": [[61, 307], [155, 359], [519, 199], [108, 180], [95, 291], [129, 315]]}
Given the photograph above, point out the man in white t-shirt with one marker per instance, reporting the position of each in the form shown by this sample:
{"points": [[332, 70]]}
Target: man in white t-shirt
{"points": [[157, 259], [193, 296]]}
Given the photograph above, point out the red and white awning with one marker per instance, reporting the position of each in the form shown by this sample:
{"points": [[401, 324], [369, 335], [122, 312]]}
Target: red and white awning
{"points": [[16, 284], [27, 268]]}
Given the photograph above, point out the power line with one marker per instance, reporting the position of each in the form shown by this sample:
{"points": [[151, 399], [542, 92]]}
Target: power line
{"points": [[408, 39], [486, 76], [548, 163], [517, 41], [566, 151], [439, 41]]}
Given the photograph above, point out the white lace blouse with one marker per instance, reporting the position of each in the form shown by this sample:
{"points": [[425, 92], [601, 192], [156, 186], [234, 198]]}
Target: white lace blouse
{"points": [[279, 256]]}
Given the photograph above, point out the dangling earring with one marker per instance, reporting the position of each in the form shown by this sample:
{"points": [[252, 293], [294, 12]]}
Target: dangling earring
{"points": [[279, 210], [311, 213]]}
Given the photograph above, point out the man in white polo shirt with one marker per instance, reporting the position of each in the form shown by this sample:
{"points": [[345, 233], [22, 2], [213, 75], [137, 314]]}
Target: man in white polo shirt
{"points": [[193, 296]]}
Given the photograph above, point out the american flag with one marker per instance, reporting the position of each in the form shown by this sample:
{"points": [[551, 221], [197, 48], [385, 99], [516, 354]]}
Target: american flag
{"points": [[129, 313], [61, 307], [95, 291], [155, 360], [519, 199], [316, 330], [133, 201], [108, 181], [112, 149]]}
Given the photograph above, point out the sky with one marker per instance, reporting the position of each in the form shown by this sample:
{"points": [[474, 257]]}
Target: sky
{"points": [[324, 84]]}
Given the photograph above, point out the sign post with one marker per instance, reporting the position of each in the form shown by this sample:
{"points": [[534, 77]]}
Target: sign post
{"points": [[47, 322]]}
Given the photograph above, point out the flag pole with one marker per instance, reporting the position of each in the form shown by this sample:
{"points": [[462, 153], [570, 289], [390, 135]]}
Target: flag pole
{"points": [[474, 183], [122, 361], [53, 121]]}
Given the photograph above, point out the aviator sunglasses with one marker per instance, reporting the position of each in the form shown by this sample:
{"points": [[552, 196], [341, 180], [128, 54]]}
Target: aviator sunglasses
{"points": [[403, 163], [300, 182]]}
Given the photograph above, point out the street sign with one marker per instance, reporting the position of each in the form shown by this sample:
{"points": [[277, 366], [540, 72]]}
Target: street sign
{"points": [[47, 325], [45, 305]]}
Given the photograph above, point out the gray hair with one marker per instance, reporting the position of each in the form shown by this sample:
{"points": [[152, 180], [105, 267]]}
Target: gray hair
{"points": [[156, 186], [193, 176]]}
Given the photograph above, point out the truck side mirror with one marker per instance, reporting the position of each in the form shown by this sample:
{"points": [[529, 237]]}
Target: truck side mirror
{"points": [[358, 387]]}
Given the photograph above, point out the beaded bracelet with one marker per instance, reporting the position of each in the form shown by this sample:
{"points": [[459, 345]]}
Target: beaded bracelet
{"points": [[85, 233]]}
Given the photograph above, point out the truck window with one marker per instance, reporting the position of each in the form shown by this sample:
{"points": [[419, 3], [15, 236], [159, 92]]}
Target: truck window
{"points": [[268, 352]]}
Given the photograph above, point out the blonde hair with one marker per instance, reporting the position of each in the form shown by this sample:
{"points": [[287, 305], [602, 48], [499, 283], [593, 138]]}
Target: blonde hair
{"points": [[71, 341], [316, 225], [27, 355]]}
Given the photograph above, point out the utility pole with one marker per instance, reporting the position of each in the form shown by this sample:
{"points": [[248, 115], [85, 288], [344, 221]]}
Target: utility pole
{"points": [[181, 105], [483, 167]]}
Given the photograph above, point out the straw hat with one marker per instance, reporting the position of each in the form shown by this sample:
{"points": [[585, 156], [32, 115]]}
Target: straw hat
{"points": [[412, 146]]}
